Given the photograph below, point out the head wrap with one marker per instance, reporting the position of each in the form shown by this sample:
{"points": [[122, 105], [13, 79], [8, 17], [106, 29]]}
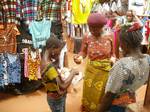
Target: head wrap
{"points": [[96, 19]]}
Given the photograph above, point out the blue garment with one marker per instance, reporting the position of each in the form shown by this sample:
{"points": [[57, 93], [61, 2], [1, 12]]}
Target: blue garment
{"points": [[13, 68], [40, 31], [3, 71], [115, 108], [57, 105], [143, 20]]}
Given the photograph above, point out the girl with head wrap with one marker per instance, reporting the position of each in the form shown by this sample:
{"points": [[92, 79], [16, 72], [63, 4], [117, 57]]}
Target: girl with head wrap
{"points": [[98, 49]]}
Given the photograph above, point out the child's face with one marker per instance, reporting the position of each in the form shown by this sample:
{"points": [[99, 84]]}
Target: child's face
{"points": [[55, 53], [129, 16]]}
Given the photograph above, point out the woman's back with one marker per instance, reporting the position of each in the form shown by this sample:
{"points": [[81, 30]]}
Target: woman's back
{"points": [[130, 73]]}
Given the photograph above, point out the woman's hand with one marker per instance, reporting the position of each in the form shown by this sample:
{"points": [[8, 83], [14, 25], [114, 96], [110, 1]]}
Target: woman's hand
{"points": [[113, 60], [78, 59]]}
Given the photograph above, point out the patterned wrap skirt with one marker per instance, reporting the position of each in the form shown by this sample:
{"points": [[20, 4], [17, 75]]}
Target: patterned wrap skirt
{"points": [[96, 75]]}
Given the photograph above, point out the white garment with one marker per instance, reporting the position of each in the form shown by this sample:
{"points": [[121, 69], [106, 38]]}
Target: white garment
{"points": [[97, 7], [106, 7], [137, 6], [114, 7], [62, 56]]}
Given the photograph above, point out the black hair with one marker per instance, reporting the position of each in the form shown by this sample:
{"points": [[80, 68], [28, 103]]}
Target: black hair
{"points": [[53, 43], [132, 39]]}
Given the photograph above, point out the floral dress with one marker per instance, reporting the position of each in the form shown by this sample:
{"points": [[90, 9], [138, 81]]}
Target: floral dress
{"points": [[96, 72]]}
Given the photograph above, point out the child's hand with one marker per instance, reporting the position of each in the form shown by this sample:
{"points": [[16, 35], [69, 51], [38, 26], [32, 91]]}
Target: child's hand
{"points": [[78, 59]]}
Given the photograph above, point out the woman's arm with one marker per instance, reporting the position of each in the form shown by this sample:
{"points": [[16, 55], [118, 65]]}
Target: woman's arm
{"points": [[83, 51], [106, 102]]}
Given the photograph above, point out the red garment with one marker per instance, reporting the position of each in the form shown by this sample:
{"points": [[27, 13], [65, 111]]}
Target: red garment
{"points": [[148, 30], [96, 49]]}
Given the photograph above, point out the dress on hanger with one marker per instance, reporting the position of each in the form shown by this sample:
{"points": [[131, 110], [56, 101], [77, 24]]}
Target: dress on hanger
{"points": [[3, 71], [13, 68], [81, 10], [32, 64], [40, 31]]}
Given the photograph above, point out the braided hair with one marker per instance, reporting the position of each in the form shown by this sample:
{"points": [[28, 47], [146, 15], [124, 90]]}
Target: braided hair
{"points": [[132, 39]]}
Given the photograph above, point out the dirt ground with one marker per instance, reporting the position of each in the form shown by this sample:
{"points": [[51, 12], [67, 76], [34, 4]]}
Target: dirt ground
{"points": [[36, 101]]}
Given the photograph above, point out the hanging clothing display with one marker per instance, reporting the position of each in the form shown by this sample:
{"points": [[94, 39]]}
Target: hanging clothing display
{"points": [[51, 9], [32, 64], [3, 71], [10, 69], [114, 6], [9, 8], [40, 31], [124, 5], [27, 10], [81, 10], [68, 11], [13, 68], [24, 40], [77, 31]]}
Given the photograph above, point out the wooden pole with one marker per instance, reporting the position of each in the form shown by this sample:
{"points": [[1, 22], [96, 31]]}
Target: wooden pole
{"points": [[147, 95]]}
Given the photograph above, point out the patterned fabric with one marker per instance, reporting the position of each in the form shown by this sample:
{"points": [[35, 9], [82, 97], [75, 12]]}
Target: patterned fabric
{"points": [[9, 7], [13, 68], [96, 49], [51, 9], [96, 75], [19, 6], [49, 80], [32, 64], [126, 76], [27, 10], [3, 71], [1, 14], [57, 105]]}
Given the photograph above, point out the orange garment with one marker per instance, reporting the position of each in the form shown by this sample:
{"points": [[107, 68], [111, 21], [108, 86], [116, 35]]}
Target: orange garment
{"points": [[96, 49], [33, 66]]}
